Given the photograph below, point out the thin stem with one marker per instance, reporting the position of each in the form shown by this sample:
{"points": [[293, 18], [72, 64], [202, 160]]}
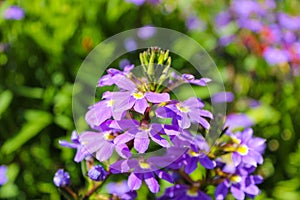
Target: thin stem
{"points": [[71, 192], [95, 188], [186, 176]]}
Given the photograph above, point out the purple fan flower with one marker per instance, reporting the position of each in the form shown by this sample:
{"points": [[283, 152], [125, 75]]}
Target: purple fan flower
{"points": [[102, 144], [97, 173], [188, 111], [121, 190], [140, 134], [82, 153], [142, 170], [3, 177], [240, 186], [109, 79], [132, 97], [237, 120], [197, 148], [275, 56], [14, 13], [246, 148], [146, 32], [222, 97], [183, 192], [61, 178]]}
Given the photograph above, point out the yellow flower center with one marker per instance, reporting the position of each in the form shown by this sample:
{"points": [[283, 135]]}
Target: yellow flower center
{"points": [[192, 192], [193, 153], [235, 140], [144, 165], [110, 103], [236, 179], [182, 108], [138, 95], [108, 136], [242, 150]]}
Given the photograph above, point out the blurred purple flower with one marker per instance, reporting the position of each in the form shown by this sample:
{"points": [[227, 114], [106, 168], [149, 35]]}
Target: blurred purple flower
{"points": [[130, 44], [137, 2], [275, 56], [289, 22], [3, 176], [61, 178], [222, 97], [254, 25], [237, 120], [222, 19], [244, 8], [194, 23], [14, 13], [146, 32], [123, 63], [97, 173], [225, 40]]}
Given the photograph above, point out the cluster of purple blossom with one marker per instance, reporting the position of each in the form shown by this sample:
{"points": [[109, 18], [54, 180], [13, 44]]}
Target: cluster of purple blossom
{"points": [[14, 13], [273, 35], [141, 117]]}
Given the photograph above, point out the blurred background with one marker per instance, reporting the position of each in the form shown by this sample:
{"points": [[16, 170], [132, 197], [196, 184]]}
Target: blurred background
{"points": [[255, 44]]}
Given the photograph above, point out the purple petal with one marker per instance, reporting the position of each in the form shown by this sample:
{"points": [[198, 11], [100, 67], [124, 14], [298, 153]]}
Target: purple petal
{"points": [[164, 175], [221, 191], [123, 138], [236, 158], [164, 112], [206, 113], [157, 97], [105, 152], [191, 165], [91, 141], [237, 193], [151, 182], [158, 139], [141, 142], [124, 83], [67, 144], [193, 102], [252, 190], [123, 150], [185, 121], [98, 114], [134, 181], [141, 105], [207, 163], [124, 124]]}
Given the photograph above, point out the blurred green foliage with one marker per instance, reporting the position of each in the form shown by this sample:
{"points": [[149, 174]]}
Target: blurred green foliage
{"points": [[45, 49]]}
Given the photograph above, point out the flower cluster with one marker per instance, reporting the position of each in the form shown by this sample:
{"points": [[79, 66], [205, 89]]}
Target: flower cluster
{"points": [[140, 131], [273, 35]]}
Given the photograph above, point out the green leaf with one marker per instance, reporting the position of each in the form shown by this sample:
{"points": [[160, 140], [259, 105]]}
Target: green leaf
{"points": [[5, 100], [37, 121]]}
